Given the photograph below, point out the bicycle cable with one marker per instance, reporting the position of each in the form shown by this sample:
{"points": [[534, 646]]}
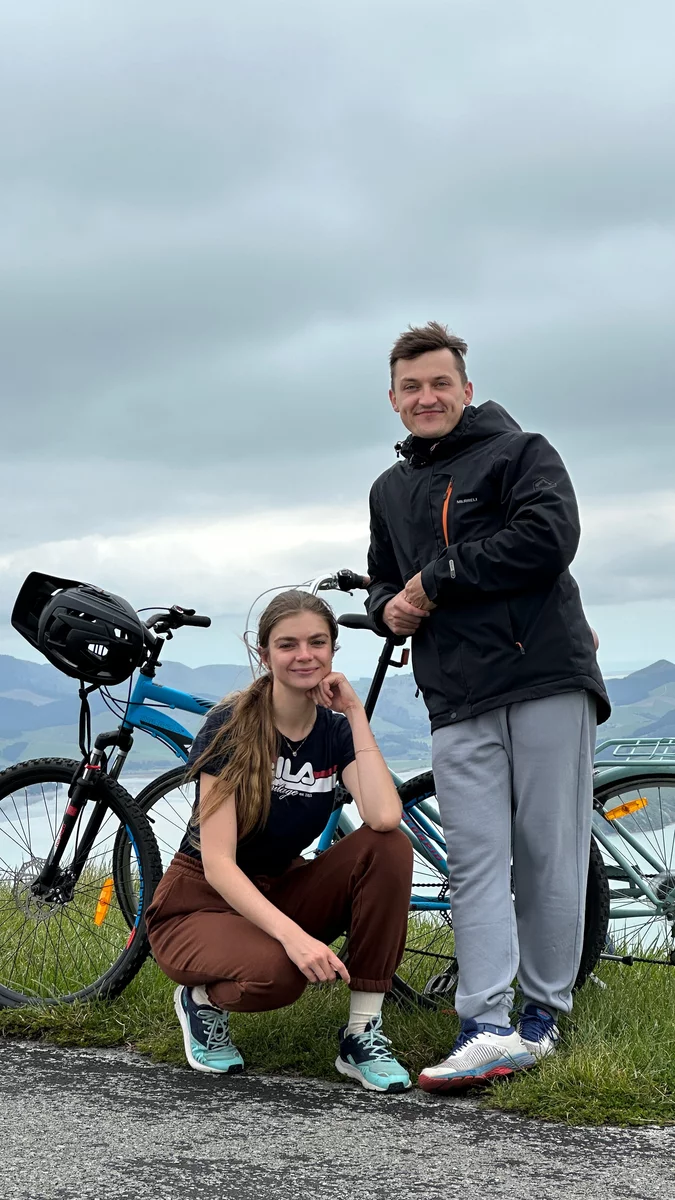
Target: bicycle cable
{"points": [[253, 659]]}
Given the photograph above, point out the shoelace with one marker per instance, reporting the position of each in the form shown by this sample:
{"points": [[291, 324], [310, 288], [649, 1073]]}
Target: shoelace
{"points": [[464, 1036], [217, 1028], [374, 1041], [535, 1025]]}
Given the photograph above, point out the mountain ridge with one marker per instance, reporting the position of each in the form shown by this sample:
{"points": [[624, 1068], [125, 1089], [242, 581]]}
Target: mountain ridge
{"points": [[39, 709]]}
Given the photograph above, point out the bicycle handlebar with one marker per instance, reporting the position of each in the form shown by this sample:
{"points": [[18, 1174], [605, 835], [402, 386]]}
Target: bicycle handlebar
{"points": [[200, 622], [176, 618], [348, 580], [343, 581]]}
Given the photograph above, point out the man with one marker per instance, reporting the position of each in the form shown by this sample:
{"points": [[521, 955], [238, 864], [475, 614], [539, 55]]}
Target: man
{"points": [[472, 534]]}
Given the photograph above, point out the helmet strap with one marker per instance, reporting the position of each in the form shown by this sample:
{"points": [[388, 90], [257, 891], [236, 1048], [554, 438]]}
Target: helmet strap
{"points": [[85, 719]]}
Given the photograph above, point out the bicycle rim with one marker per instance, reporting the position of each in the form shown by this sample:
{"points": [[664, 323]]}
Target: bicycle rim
{"points": [[644, 806], [167, 802], [427, 973], [74, 944]]}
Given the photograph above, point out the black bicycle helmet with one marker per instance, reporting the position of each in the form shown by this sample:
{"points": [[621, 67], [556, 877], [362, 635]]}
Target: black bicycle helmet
{"points": [[86, 632]]}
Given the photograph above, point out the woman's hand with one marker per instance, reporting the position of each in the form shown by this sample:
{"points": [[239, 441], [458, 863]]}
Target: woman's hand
{"points": [[335, 692], [317, 962]]}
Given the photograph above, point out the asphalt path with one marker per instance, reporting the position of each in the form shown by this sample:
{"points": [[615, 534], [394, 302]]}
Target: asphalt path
{"points": [[107, 1124]]}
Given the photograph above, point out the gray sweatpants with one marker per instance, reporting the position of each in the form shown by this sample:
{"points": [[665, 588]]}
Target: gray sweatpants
{"points": [[517, 782]]}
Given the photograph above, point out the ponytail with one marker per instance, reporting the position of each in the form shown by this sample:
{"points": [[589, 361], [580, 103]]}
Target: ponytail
{"points": [[251, 743], [248, 739]]}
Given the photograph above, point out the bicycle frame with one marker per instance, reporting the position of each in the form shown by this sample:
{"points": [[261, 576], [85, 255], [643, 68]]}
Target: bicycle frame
{"points": [[152, 720]]}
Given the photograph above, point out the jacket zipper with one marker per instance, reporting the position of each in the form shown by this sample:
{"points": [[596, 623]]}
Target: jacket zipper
{"points": [[518, 645], [446, 502]]}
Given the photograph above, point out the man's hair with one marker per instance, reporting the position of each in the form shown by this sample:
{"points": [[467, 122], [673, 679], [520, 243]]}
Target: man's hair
{"points": [[419, 339]]}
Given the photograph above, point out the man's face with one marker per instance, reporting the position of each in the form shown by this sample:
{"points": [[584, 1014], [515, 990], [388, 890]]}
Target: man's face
{"points": [[428, 393]]}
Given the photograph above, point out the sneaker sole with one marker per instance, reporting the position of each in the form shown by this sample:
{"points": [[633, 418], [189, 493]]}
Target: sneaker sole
{"points": [[446, 1083], [346, 1068], [437, 1083], [235, 1069]]}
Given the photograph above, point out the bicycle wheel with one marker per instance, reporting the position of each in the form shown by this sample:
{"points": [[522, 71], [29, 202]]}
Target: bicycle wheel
{"points": [[167, 802], [73, 944], [649, 816], [427, 974]]}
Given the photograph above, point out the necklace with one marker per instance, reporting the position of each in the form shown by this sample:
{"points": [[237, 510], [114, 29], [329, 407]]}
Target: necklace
{"points": [[300, 744]]}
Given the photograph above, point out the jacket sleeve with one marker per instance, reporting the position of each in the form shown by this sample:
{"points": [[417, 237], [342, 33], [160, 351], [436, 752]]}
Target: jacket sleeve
{"points": [[539, 539], [383, 569]]}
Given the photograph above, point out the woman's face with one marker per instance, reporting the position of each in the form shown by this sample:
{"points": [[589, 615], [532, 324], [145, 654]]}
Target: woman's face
{"points": [[300, 653]]}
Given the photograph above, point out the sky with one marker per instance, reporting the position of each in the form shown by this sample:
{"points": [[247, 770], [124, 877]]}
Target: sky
{"points": [[215, 220]]}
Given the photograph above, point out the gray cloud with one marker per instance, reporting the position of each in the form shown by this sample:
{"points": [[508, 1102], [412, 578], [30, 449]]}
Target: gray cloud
{"points": [[214, 221]]}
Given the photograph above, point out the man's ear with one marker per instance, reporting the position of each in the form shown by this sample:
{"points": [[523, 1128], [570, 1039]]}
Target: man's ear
{"points": [[392, 401], [468, 393]]}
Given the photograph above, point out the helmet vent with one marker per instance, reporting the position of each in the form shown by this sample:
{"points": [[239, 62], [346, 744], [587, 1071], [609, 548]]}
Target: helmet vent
{"points": [[98, 650]]}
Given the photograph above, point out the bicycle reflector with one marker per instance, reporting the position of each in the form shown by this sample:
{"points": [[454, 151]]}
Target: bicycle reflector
{"points": [[624, 810], [103, 902], [85, 632]]}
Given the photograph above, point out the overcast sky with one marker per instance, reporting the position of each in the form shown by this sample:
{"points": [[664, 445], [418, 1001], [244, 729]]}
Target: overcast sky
{"points": [[216, 218]]}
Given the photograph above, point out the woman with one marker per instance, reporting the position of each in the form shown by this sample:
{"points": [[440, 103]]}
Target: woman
{"points": [[240, 921]]}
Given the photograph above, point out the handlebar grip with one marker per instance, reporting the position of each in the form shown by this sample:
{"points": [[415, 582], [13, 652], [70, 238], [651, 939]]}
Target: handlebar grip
{"points": [[200, 622], [349, 581]]}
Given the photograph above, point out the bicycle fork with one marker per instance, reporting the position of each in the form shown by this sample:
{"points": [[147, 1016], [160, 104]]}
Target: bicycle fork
{"points": [[59, 885]]}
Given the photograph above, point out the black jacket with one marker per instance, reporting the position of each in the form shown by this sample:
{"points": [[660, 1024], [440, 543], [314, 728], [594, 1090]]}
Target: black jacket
{"points": [[489, 516]]}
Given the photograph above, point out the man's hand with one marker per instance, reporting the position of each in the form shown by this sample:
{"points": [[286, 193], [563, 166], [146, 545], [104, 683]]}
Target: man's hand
{"points": [[415, 594], [402, 617]]}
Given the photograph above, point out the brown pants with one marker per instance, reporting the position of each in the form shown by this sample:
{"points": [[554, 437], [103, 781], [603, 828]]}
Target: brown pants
{"points": [[359, 886]]}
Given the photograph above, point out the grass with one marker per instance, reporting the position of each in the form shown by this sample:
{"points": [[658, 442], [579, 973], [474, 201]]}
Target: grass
{"points": [[616, 1064]]}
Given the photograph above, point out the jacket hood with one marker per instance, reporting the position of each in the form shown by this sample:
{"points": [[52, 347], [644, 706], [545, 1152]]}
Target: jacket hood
{"points": [[477, 424]]}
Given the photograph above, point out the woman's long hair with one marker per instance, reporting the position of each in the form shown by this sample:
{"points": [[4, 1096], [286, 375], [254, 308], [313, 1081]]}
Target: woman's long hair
{"points": [[248, 738]]}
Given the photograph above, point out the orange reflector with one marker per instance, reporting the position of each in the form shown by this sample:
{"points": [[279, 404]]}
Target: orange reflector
{"points": [[103, 902], [624, 810]]}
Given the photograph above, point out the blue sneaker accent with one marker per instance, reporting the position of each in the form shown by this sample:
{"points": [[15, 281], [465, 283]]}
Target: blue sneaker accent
{"points": [[366, 1057], [206, 1035], [470, 1028], [538, 1029]]}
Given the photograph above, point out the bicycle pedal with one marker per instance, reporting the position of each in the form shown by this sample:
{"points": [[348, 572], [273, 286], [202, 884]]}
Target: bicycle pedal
{"points": [[598, 982]]}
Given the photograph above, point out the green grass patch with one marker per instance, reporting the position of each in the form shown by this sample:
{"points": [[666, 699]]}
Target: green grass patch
{"points": [[616, 1064]]}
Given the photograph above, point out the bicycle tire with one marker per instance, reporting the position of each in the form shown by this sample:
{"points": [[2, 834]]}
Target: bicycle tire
{"points": [[653, 824], [167, 842], [411, 990], [34, 928]]}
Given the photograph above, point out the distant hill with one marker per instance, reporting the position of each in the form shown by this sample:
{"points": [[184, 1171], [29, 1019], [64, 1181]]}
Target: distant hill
{"points": [[39, 710], [641, 684]]}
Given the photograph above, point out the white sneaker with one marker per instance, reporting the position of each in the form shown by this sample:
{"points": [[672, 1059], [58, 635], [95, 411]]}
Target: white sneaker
{"points": [[481, 1053]]}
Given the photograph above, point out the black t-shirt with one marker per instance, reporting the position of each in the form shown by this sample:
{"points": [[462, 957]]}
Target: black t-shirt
{"points": [[303, 791]]}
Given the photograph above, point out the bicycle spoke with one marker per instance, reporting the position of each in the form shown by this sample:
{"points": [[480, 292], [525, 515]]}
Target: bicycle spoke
{"points": [[18, 817], [52, 828]]}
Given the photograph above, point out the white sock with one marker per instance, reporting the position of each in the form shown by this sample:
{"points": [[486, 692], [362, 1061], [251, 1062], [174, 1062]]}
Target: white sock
{"points": [[200, 996], [363, 1006]]}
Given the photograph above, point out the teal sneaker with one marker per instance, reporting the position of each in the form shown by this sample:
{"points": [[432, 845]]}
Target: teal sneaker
{"points": [[365, 1056], [206, 1035]]}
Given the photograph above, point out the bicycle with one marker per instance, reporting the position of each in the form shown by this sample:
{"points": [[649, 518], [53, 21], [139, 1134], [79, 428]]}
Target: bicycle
{"points": [[79, 863]]}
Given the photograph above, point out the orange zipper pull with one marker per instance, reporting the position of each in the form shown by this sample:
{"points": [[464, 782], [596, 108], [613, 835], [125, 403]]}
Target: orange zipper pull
{"points": [[446, 501]]}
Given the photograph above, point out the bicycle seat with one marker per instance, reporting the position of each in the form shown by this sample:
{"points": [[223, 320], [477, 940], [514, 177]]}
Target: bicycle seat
{"points": [[362, 621]]}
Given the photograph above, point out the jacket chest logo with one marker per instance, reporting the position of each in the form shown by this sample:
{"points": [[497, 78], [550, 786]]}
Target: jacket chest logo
{"points": [[467, 500]]}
